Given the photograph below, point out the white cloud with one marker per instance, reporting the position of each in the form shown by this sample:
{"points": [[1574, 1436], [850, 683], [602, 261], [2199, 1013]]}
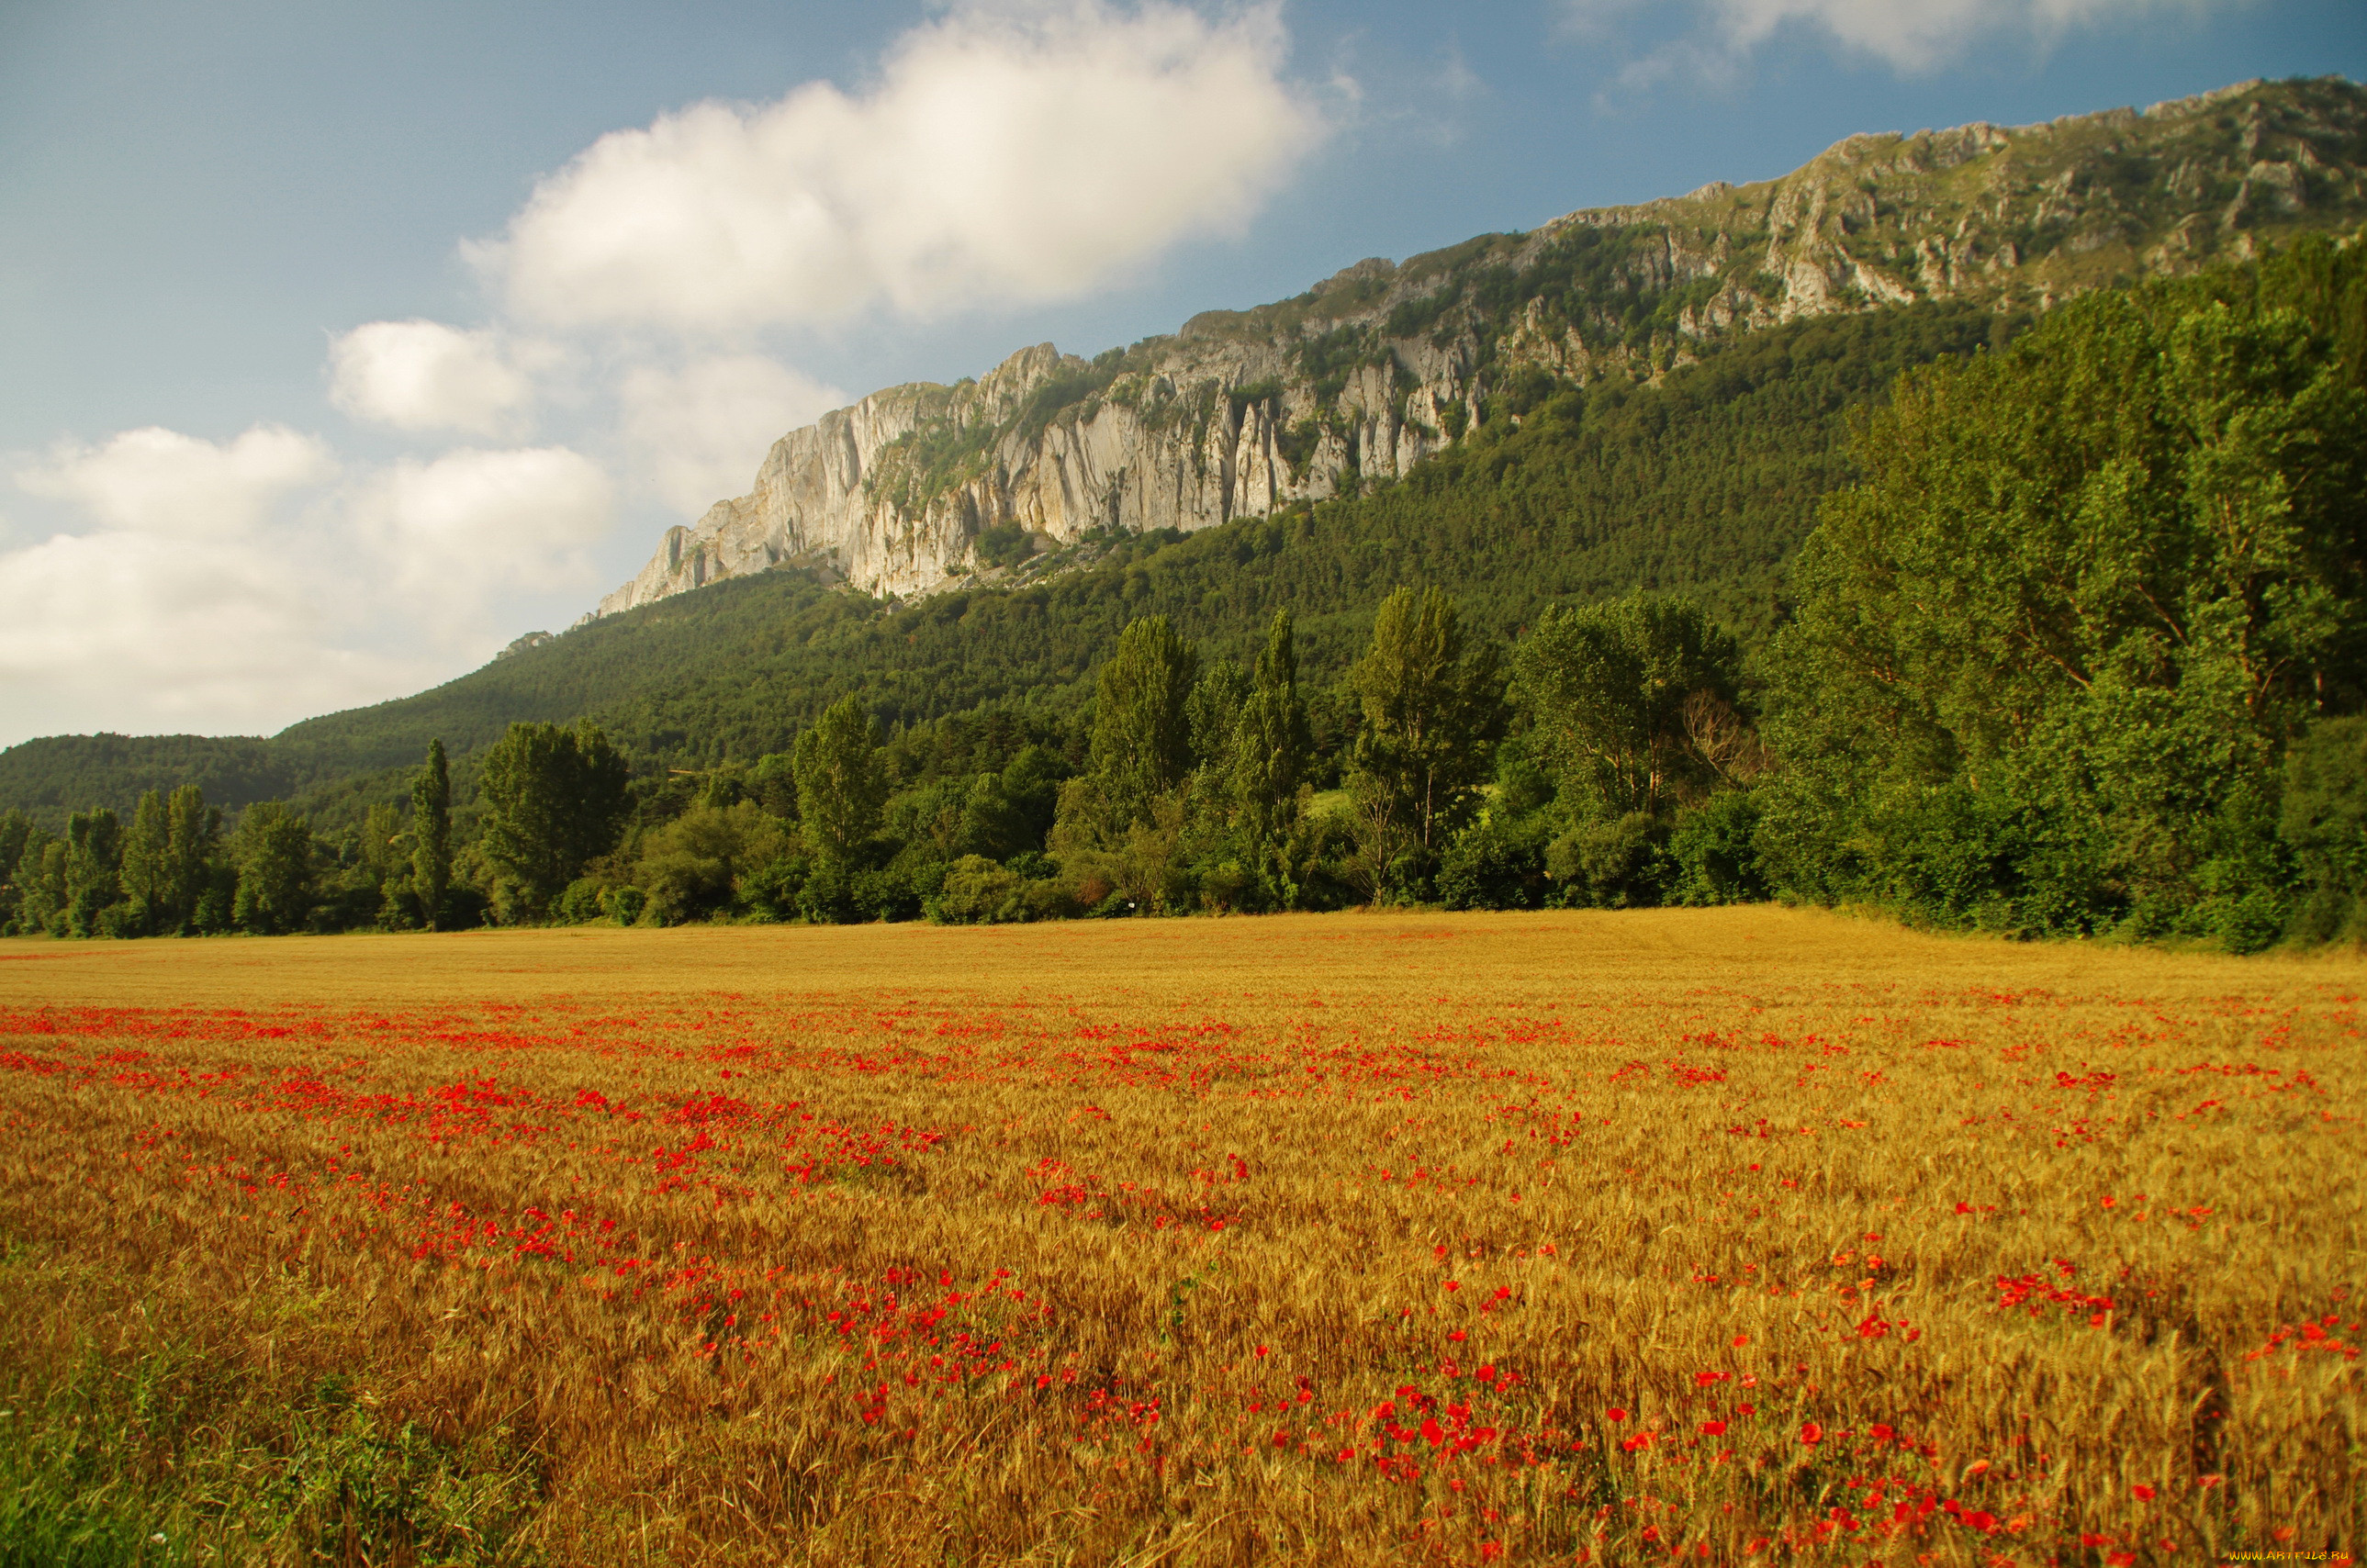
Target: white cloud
{"points": [[161, 481], [185, 605], [1909, 35], [1005, 157], [226, 607], [425, 376], [142, 632], [699, 433], [471, 524]]}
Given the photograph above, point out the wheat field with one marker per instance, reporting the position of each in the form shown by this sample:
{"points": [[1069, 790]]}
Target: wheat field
{"points": [[1734, 1235]]}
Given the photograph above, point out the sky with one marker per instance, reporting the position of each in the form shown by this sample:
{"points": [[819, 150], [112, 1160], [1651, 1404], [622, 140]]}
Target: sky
{"points": [[339, 345]]}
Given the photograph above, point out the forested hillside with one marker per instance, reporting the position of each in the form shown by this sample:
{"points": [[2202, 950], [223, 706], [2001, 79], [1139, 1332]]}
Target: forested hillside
{"points": [[1704, 482]]}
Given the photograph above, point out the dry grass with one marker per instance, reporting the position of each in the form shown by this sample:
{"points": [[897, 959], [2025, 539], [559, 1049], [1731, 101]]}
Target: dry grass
{"points": [[1336, 1240]]}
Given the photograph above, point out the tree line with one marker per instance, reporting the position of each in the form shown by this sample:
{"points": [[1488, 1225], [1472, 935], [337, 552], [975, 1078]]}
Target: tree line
{"points": [[2082, 649]]}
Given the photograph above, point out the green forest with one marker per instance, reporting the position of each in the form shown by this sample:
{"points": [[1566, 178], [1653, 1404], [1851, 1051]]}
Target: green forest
{"points": [[2048, 628], [1704, 483]]}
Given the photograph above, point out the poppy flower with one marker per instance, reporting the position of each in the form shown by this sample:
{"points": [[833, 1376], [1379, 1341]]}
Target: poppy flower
{"points": [[1811, 1434]]}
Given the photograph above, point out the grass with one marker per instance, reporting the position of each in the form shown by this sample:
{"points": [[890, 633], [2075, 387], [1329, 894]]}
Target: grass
{"points": [[1724, 1235]]}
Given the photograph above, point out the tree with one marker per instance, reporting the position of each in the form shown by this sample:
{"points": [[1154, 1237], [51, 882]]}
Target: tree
{"points": [[1432, 710], [431, 830], [192, 841], [94, 871], [555, 798], [840, 786], [274, 851], [20, 855], [1619, 690], [1270, 748], [41, 886], [147, 867], [2050, 651], [1142, 728]]}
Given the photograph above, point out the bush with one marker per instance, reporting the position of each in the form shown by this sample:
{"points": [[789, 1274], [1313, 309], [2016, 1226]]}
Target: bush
{"points": [[976, 892], [1711, 844], [1619, 862], [825, 898], [771, 891], [886, 894], [585, 901], [2323, 823], [1493, 865]]}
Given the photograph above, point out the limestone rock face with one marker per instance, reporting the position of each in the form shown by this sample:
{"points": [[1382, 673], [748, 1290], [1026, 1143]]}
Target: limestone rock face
{"points": [[1363, 376]]}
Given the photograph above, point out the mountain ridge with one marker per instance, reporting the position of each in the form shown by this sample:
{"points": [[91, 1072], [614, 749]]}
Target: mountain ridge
{"points": [[918, 487]]}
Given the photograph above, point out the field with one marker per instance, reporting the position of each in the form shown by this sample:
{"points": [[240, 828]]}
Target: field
{"points": [[1740, 1236]]}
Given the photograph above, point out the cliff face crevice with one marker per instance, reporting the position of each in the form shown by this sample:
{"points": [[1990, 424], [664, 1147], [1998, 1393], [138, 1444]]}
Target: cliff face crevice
{"points": [[1357, 380]]}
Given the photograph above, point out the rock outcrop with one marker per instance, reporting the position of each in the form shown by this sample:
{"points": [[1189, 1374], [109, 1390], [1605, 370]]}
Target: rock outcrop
{"points": [[921, 487]]}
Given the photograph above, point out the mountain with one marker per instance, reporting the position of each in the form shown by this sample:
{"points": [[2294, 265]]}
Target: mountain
{"points": [[921, 485], [1628, 397]]}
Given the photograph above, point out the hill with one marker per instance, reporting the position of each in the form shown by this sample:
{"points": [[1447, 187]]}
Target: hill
{"points": [[1651, 395], [1370, 374]]}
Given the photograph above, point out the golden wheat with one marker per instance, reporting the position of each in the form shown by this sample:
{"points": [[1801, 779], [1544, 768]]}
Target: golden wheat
{"points": [[1722, 1236]]}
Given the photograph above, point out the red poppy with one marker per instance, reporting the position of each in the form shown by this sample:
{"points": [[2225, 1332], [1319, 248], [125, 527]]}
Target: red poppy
{"points": [[1617, 1415], [1812, 1434]]}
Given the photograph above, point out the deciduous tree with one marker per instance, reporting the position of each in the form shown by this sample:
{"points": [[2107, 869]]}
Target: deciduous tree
{"points": [[555, 798], [1432, 710], [431, 831], [841, 786]]}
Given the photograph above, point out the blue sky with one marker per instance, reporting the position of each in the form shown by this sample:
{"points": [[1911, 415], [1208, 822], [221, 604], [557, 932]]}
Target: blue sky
{"points": [[342, 345]]}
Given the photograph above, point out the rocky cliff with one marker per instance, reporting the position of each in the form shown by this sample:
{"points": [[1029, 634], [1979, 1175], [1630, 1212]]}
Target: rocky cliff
{"points": [[921, 485]]}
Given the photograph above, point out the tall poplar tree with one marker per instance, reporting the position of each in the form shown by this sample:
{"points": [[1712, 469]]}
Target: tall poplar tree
{"points": [[1142, 728], [192, 839], [1270, 746], [94, 868], [275, 881], [148, 866], [840, 786], [1432, 711], [430, 826]]}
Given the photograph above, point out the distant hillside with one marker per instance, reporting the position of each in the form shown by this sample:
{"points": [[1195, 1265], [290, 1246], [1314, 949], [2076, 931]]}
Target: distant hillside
{"points": [[1704, 482], [1645, 395]]}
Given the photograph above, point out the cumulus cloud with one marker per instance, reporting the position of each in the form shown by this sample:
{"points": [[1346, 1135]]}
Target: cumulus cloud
{"points": [[698, 433], [189, 603], [471, 524], [142, 632], [207, 590], [161, 481], [1909, 35], [1001, 156], [421, 375]]}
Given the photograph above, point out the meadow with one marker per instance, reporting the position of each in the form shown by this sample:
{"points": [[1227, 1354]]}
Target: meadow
{"points": [[1727, 1236]]}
